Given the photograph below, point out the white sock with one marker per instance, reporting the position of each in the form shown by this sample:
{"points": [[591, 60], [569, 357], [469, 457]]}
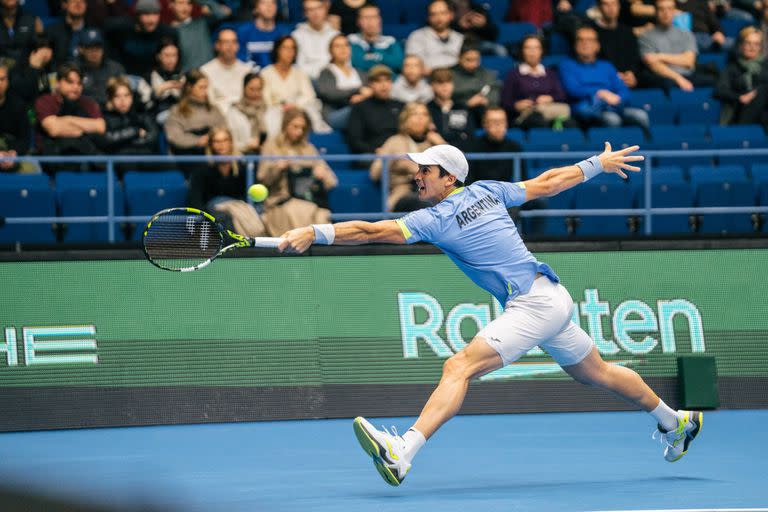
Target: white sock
{"points": [[414, 440], [665, 416]]}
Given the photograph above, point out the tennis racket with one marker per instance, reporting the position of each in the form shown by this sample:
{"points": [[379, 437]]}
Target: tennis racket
{"points": [[186, 239]]}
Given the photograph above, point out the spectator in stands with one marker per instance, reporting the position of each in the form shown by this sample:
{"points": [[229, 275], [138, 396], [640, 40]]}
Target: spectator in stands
{"points": [[135, 43], [370, 46], [32, 78], [538, 12], [374, 120], [493, 140], [437, 44], [295, 186], [96, 69], [533, 96], [670, 52], [286, 86], [194, 38], [68, 122], [14, 125], [220, 189], [65, 35], [245, 118], [192, 117], [100, 10], [313, 38], [225, 73], [743, 85], [340, 85], [166, 79], [638, 14], [474, 21], [619, 46], [474, 85], [19, 30], [597, 93], [411, 84], [413, 135], [456, 122], [344, 13], [705, 25], [128, 132], [257, 39]]}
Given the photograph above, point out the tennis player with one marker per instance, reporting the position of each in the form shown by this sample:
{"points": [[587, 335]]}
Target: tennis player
{"points": [[472, 226]]}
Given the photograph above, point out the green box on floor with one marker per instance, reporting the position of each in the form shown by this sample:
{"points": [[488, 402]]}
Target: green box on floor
{"points": [[697, 382]]}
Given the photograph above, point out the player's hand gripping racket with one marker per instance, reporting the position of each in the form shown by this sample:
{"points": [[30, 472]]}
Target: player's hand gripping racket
{"points": [[185, 239]]}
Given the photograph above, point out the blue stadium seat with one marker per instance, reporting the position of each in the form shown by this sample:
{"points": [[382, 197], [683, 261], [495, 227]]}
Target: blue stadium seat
{"points": [[353, 176], [401, 31], [332, 143], [763, 201], [739, 137], [760, 174], [603, 195], [415, 11], [147, 192], [717, 174], [675, 194], [674, 137], [355, 198], [619, 136], [546, 139], [512, 33], [719, 59], [558, 44], [26, 195], [695, 107], [552, 226], [85, 194], [391, 11], [732, 26], [36, 8], [553, 61], [497, 9], [517, 135], [502, 65], [726, 193], [655, 102]]}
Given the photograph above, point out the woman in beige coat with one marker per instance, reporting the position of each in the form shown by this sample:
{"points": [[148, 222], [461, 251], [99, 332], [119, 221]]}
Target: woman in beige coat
{"points": [[414, 136], [284, 212]]}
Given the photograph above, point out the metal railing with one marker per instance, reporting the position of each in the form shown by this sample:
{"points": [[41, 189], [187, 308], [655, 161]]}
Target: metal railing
{"points": [[646, 212]]}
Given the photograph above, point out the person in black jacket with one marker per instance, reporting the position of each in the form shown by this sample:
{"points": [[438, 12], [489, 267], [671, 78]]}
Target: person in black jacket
{"points": [[743, 85], [32, 77], [456, 122], [17, 39], [15, 130], [128, 132], [97, 70], [493, 140], [374, 120], [65, 35]]}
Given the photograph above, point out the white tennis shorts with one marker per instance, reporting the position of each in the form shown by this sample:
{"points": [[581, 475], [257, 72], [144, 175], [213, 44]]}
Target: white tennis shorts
{"points": [[540, 317]]}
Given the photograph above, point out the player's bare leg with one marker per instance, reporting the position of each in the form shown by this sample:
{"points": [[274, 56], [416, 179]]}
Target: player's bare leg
{"points": [[391, 453], [677, 429]]}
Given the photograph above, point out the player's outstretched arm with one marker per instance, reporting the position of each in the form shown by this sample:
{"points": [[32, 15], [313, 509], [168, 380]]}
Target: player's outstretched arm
{"points": [[354, 232], [554, 181]]}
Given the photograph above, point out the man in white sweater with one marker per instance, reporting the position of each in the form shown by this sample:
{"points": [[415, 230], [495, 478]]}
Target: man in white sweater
{"points": [[225, 72], [313, 38], [437, 44]]}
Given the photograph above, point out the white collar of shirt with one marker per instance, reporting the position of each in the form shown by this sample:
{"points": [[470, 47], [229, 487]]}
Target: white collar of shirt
{"points": [[538, 71]]}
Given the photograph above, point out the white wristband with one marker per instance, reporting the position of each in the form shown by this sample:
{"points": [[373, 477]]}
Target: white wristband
{"points": [[591, 167], [324, 233]]}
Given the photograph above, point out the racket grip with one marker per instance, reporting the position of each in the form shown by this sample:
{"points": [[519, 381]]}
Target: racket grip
{"points": [[265, 241]]}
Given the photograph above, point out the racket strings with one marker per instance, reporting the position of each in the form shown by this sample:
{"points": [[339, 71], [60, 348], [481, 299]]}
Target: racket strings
{"points": [[181, 240]]}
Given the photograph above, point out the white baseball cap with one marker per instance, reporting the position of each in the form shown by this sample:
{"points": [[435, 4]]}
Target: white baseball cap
{"points": [[448, 157]]}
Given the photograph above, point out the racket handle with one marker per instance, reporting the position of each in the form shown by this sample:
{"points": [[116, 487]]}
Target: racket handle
{"points": [[265, 241]]}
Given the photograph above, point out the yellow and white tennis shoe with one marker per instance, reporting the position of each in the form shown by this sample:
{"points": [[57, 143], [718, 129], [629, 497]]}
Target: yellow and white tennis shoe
{"points": [[387, 450], [678, 440]]}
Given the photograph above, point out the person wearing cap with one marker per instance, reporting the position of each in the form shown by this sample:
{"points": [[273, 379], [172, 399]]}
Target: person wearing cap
{"points": [[374, 120], [97, 70], [134, 42], [65, 35], [471, 225]]}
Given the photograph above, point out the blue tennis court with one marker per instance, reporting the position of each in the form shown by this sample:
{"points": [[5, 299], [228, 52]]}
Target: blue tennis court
{"points": [[521, 462]]}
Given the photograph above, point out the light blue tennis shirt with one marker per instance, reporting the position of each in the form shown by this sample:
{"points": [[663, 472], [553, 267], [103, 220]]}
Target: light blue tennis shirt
{"points": [[473, 228]]}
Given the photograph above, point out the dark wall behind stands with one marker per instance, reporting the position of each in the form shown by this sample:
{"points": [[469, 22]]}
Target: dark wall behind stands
{"points": [[102, 339]]}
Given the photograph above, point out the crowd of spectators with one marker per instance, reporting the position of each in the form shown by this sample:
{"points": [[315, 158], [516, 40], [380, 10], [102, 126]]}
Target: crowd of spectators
{"points": [[226, 77]]}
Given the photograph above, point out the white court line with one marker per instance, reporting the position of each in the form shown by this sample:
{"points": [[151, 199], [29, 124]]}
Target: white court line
{"points": [[692, 510]]}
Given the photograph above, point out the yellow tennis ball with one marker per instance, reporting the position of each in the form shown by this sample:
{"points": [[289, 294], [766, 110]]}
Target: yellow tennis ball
{"points": [[258, 192]]}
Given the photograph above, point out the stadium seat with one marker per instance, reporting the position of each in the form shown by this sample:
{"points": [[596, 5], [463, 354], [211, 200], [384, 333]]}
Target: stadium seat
{"points": [[732, 26], [502, 65], [739, 137], [552, 226], [517, 135], [353, 176], [85, 194], [674, 194], [332, 143], [655, 102], [603, 195], [391, 11], [496, 8], [618, 136], [674, 137], [759, 174], [146, 193], [26, 195], [719, 59], [511, 34], [717, 174], [553, 61], [355, 198], [558, 44], [763, 201], [415, 11], [547, 140], [401, 31], [36, 8], [695, 107], [724, 185]]}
